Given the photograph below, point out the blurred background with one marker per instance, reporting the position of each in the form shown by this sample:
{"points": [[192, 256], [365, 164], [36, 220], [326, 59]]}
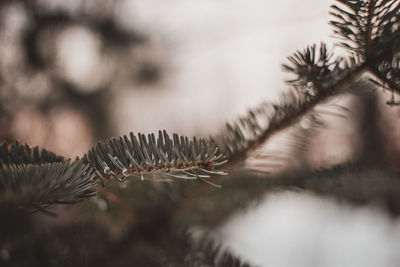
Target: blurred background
{"points": [[76, 72]]}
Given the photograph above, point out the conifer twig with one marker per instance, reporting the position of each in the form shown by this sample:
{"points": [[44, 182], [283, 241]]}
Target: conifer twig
{"points": [[38, 186], [302, 109], [392, 86], [145, 156]]}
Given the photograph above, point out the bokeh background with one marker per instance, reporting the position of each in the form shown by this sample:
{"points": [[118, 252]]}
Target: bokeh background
{"points": [[76, 72]]}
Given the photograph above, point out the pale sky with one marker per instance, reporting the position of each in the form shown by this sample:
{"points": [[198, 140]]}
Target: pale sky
{"points": [[225, 57]]}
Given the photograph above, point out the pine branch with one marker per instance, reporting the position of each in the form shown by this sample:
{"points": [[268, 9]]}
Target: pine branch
{"points": [[23, 154], [38, 186], [313, 66], [247, 133], [147, 156], [36, 178], [369, 28], [388, 73], [372, 31]]}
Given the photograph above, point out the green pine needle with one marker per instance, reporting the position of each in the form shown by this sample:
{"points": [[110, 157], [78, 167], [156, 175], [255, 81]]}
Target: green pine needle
{"points": [[142, 156]]}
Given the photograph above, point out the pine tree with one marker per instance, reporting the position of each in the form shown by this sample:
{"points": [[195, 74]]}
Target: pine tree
{"points": [[138, 197]]}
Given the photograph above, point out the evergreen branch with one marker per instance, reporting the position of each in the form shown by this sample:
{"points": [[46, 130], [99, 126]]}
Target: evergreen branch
{"points": [[374, 29], [139, 156], [260, 124], [23, 154], [311, 66], [370, 29], [37, 178], [388, 72], [386, 31], [38, 186], [319, 76], [351, 24]]}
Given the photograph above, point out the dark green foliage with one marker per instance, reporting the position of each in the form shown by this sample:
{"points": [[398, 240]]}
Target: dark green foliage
{"points": [[23, 154], [40, 185], [36, 178]]}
